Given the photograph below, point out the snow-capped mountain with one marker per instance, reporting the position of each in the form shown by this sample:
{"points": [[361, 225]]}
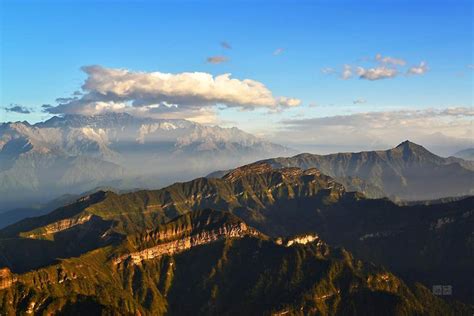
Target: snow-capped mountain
{"points": [[74, 153]]}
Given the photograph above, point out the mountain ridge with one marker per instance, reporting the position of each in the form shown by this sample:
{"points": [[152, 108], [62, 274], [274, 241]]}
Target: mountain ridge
{"points": [[467, 154], [279, 203], [239, 270], [408, 171]]}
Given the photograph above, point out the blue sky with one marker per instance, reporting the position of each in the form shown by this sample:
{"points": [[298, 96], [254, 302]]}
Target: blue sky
{"points": [[44, 45]]}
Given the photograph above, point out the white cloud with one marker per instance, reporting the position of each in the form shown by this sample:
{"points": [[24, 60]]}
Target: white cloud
{"points": [[205, 115], [278, 51], [217, 59], [101, 107], [376, 73], [346, 72], [288, 102], [390, 60], [359, 101], [109, 89], [328, 70], [421, 69]]}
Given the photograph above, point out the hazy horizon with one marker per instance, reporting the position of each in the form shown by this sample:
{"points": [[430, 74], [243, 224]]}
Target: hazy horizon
{"points": [[436, 143]]}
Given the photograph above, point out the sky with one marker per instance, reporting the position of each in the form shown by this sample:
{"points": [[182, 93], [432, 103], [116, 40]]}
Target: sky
{"points": [[318, 76]]}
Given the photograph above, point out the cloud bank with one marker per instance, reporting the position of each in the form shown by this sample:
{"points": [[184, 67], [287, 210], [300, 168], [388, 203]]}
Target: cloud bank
{"points": [[120, 90], [443, 130]]}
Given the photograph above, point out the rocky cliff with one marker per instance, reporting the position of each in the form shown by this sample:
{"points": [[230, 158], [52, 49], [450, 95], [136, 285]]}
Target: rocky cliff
{"points": [[59, 226], [6, 278], [173, 246]]}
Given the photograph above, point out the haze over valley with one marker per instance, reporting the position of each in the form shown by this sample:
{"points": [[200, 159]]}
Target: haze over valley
{"points": [[77, 153]]}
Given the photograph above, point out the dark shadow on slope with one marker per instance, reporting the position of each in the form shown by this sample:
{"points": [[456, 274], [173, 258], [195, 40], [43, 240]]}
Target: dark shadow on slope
{"points": [[24, 254]]}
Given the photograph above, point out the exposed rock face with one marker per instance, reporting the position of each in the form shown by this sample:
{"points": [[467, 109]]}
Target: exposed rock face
{"points": [[248, 170], [288, 173], [172, 240], [301, 240], [61, 226], [235, 230], [6, 278]]}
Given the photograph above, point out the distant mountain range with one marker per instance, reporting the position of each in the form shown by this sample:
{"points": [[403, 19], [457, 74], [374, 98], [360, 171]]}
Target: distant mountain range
{"points": [[407, 172], [38, 209], [75, 153], [467, 154], [145, 241]]}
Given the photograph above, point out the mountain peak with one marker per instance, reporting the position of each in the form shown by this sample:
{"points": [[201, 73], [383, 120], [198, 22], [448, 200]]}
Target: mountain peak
{"points": [[410, 148], [408, 144], [80, 120]]}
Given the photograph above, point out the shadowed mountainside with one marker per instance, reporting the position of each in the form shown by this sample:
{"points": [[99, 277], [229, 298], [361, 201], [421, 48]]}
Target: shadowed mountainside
{"points": [[221, 266]]}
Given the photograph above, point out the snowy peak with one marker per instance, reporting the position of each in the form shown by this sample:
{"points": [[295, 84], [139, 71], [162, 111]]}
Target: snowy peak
{"points": [[79, 134], [123, 125], [101, 120], [144, 152], [107, 120]]}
